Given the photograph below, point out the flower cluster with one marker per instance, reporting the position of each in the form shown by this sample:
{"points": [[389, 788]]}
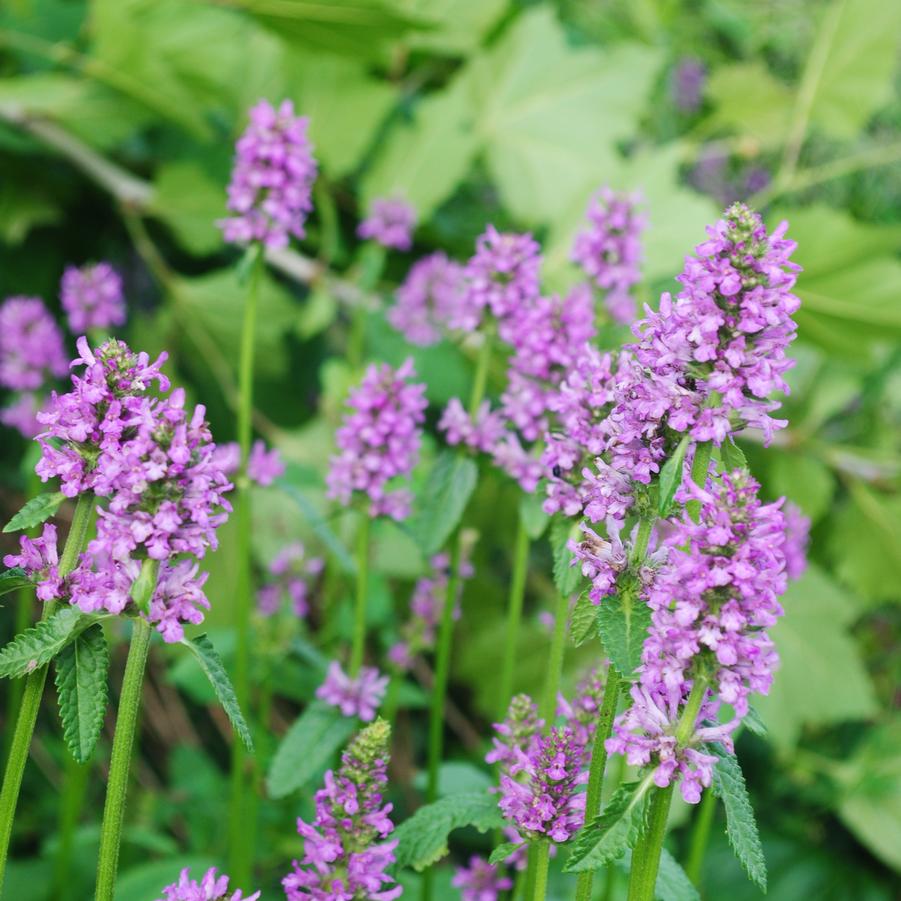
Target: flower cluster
{"points": [[272, 180], [430, 301], [609, 250], [39, 558], [480, 881], [263, 466], [359, 695], [211, 887], [379, 440], [290, 571], [31, 345], [92, 297], [345, 852], [390, 223], [502, 276], [797, 537]]}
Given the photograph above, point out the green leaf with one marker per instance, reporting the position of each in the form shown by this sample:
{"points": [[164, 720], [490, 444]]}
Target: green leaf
{"points": [[802, 478], [567, 573], [189, 202], [14, 579], [531, 514], [41, 643], [821, 678], [307, 748], [211, 664], [741, 826], [612, 833], [37, 510], [502, 852], [671, 476], [422, 839], [459, 24], [733, 456], [443, 500], [81, 689], [672, 882], [583, 620], [623, 622], [753, 723]]}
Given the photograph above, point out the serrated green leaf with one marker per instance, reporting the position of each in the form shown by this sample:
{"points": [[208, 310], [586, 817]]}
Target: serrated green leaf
{"points": [[753, 723], [82, 690], [566, 575], [583, 620], [623, 621], [502, 852], [612, 833], [733, 456], [211, 664], [13, 579], [41, 643], [671, 476], [444, 498], [36, 511], [422, 839], [741, 826], [319, 732]]}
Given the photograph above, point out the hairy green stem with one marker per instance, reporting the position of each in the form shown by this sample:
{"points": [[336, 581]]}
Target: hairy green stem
{"points": [[34, 689], [542, 856], [700, 835], [120, 761], [241, 826], [359, 637], [514, 614], [597, 768], [74, 790], [555, 661]]}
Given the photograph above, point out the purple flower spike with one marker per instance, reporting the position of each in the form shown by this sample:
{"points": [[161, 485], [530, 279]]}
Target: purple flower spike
{"points": [[31, 345], [390, 223], [264, 466], [688, 84], [211, 887], [292, 573], [92, 297], [480, 881], [272, 179], [797, 537], [360, 696], [503, 274], [430, 301]]}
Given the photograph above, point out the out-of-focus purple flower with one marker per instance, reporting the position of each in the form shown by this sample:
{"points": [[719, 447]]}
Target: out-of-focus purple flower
{"points": [[92, 297], [272, 180], [688, 84], [797, 537], [360, 695], [609, 250], [264, 466], [524, 468], [710, 176], [291, 572], [480, 881], [211, 887], [756, 179], [31, 345], [390, 223], [502, 276], [430, 301], [646, 735], [379, 440], [483, 433], [40, 560], [22, 414], [345, 853]]}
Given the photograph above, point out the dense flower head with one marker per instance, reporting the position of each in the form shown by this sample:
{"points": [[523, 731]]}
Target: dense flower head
{"points": [[516, 733], [211, 887], [426, 604], [430, 301], [290, 574], [480, 880], [31, 345], [345, 852], [92, 297], [581, 714], [272, 180], [609, 250], [379, 440], [688, 83], [502, 276], [719, 593], [390, 223], [797, 537], [646, 733], [359, 695]]}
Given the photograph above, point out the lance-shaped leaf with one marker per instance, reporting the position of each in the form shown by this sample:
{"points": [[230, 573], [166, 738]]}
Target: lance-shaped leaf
{"points": [[741, 826], [38, 645], [502, 852], [13, 579], [671, 476], [444, 498], [308, 746], [733, 456], [567, 576], [612, 833], [623, 621], [211, 664], [36, 511], [583, 622], [422, 839], [81, 690]]}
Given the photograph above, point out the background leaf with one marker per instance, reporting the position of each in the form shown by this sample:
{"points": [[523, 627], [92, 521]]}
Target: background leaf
{"points": [[447, 490]]}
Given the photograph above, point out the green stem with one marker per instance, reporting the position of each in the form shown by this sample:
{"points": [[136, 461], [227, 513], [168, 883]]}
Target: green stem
{"points": [[34, 690], [597, 768], [359, 639], [548, 707], [480, 379], [120, 761], [699, 468], [514, 614], [241, 829], [389, 708], [74, 791], [542, 857], [700, 835]]}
